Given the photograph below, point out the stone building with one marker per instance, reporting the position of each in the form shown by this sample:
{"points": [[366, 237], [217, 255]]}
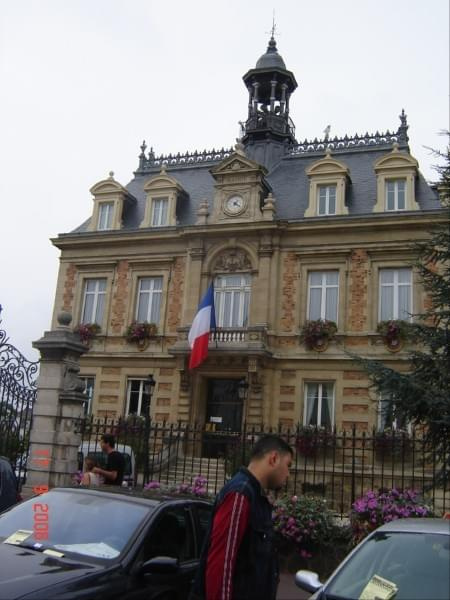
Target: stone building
{"points": [[288, 231]]}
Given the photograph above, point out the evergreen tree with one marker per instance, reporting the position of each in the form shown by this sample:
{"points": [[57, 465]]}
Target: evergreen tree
{"points": [[422, 393]]}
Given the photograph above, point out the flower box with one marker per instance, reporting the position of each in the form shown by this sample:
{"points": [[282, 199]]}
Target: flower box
{"points": [[394, 333], [140, 333], [317, 334], [310, 440], [87, 331]]}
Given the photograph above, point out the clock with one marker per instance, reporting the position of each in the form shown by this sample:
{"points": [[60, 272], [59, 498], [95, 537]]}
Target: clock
{"points": [[234, 204]]}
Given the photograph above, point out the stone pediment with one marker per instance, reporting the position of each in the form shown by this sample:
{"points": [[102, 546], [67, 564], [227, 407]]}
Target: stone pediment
{"points": [[162, 181], [396, 160], [237, 163], [327, 166], [108, 186]]}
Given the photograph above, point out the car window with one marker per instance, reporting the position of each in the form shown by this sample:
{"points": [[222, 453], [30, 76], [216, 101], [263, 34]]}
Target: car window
{"points": [[418, 564], [89, 524], [203, 517], [171, 535]]}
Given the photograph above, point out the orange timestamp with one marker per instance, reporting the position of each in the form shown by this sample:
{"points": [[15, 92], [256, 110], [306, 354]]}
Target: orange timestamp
{"points": [[40, 510]]}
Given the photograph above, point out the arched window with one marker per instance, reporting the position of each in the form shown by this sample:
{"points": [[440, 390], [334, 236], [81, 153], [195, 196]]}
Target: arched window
{"points": [[232, 299]]}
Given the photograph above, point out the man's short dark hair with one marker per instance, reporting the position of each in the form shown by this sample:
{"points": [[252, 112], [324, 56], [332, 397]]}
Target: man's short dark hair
{"points": [[269, 443], [108, 438]]}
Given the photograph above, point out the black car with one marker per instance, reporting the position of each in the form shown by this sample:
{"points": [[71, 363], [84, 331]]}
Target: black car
{"points": [[73, 543], [8, 485]]}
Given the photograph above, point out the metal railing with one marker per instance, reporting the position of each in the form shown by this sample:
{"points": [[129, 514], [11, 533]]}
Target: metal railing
{"points": [[337, 466]]}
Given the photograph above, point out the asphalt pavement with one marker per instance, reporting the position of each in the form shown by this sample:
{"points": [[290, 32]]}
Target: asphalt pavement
{"points": [[287, 590]]}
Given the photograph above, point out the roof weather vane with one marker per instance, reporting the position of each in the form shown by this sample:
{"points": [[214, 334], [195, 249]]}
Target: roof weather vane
{"points": [[274, 27]]}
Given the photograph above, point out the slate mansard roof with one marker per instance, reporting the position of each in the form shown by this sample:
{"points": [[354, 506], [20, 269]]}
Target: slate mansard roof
{"points": [[287, 178]]}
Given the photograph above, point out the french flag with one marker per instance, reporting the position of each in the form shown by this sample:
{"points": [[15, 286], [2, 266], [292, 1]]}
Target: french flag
{"points": [[204, 321]]}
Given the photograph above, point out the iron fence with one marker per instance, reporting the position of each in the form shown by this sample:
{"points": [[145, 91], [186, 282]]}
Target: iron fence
{"points": [[337, 466], [17, 396]]}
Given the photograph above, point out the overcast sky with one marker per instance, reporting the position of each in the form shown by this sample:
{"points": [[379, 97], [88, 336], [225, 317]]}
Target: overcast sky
{"points": [[83, 82]]}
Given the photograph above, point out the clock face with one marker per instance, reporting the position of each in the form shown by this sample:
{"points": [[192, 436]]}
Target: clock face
{"points": [[235, 204]]}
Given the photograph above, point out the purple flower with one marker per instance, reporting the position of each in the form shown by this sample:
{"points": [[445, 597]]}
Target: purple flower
{"points": [[152, 485]]}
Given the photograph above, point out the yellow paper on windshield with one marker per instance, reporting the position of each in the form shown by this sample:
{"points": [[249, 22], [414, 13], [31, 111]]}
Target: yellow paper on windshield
{"points": [[18, 537], [53, 553], [379, 588]]}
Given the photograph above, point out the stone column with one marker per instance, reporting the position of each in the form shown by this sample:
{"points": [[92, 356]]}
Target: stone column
{"points": [[59, 404]]}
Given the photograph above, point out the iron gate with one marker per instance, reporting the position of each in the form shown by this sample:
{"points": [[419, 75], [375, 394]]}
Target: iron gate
{"points": [[17, 395]]}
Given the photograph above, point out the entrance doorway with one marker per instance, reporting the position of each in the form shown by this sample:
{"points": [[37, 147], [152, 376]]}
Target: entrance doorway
{"points": [[223, 420]]}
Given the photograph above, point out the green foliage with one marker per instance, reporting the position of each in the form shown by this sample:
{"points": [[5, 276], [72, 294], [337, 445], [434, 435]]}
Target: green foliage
{"points": [[422, 394]]}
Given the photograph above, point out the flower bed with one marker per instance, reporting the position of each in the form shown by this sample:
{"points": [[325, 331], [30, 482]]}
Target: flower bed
{"points": [[375, 508], [198, 488], [307, 535]]}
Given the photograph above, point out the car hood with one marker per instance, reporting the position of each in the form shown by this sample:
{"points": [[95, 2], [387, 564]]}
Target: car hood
{"points": [[24, 571]]}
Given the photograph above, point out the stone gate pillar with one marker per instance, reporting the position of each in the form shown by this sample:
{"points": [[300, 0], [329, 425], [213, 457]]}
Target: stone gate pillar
{"points": [[54, 444]]}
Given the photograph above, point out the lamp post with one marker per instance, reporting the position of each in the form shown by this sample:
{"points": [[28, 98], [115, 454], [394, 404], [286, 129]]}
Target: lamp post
{"points": [[242, 389], [148, 387], [242, 394]]}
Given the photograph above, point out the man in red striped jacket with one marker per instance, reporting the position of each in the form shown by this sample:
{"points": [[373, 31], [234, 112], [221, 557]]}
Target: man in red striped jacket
{"points": [[239, 560]]}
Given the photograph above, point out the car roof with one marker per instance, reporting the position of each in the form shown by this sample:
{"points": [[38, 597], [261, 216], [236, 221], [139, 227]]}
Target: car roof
{"points": [[417, 526], [5, 463], [133, 495], [96, 447]]}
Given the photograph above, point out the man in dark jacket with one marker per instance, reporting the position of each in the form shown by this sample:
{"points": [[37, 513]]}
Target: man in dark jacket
{"points": [[238, 560], [115, 463]]}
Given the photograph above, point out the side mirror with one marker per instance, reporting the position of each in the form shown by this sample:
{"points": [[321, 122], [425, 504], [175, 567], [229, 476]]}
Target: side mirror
{"points": [[160, 564], [308, 580]]}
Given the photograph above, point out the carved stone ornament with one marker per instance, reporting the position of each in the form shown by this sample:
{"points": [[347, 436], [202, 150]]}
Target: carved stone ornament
{"points": [[72, 383], [232, 261]]}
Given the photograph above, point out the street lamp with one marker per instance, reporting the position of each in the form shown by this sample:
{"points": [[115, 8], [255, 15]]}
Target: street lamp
{"points": [[148, 387], [242, 394], [242, 389]]}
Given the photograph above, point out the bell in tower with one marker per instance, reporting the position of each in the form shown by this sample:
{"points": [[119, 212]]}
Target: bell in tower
{"points": [[270, 86]]}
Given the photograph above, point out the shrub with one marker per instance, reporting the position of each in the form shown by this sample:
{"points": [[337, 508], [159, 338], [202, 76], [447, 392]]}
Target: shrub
{"points": [[304, 522], [375, 508]]}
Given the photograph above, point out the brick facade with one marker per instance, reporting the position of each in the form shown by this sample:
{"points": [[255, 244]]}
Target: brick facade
{"points": [[120, 298], [359, 267]]}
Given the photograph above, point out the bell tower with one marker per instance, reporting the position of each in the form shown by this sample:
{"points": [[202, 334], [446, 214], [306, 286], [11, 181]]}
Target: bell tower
{"points": [[269, 130]]}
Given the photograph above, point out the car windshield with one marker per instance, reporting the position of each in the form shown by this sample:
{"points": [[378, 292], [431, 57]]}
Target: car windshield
{"points": [[417, 564], [90, 524]]}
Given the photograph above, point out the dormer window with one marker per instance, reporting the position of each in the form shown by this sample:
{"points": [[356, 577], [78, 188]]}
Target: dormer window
{"points": [[326, 201], [395, 194], [328, 181], [163, 194], [105, 215], [110, 200], [396, 176], [159, 211]]}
